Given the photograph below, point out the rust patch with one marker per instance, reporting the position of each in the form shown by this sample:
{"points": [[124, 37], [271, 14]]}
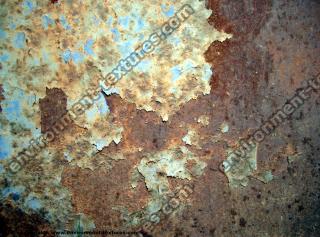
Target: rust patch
{"points": [[52, 107], [1, 96], [142, 129], [54, 1], [111, 188], [243, 19]]}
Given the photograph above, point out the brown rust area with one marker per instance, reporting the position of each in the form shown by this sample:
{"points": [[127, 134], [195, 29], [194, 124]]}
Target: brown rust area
{"points": [[243, 93], [243, 18], [242, 89], [96, 193], [52, 107], [142, 129], [1, 96]]}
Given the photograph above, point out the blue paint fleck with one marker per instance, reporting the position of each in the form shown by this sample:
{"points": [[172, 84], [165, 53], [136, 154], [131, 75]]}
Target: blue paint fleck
{"points": [[100, 144], [34, 204], [19, 40], [12, 26], [116, 34], [174, 40], [140, 25], [96, 20], [124, 22], [103, 105], [47, 21], [1, 169], [188, 65], [126, 47], [28, 7], [144, 66], [17, 190], [12, 110], [4, 148], [141, 37], [66, 55], [3, 34], [88, 47], [167, 13], [91, 114], [176, 73], [109, 21], [207, 72], [4, 57], [64, 23], [77, 57]]}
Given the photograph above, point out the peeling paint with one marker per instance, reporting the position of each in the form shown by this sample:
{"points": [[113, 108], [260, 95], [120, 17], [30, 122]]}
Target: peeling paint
{"points": [[51, 54], [242, 169]]}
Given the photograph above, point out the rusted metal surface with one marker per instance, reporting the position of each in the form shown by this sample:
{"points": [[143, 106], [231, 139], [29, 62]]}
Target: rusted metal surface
{"points": [[273, 49]]}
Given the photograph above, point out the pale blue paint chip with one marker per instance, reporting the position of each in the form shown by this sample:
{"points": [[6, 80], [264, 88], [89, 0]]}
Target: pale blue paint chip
{"points": [[28, 7], [19, 40], [66, 55], [174, 40], [140, 25], [207, 72], [144, 66], [47, 21], [109, 21], [176, 73], [64, 23], [124, 22], [88, 47], [4, 57], [116, 34], [34, 204], [100, 144], [1, 169], [77, 57], [5, 148], [126, 47], [3, 34], [91, 114], [169, 12], [103, 105], [96, 20], [188, 65], [12, 26], [18, 190], [12, 110], [141, 37]]}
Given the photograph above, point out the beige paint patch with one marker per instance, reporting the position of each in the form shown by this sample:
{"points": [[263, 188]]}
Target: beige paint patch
{"points": [[239, 171]]}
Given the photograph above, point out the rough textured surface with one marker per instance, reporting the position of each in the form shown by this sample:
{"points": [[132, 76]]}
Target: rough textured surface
{"points": [[52, 107], [273, 49], [1, 96]]}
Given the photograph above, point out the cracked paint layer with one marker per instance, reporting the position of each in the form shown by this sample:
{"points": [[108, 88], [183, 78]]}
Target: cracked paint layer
{"points": [[156, 169], [86, 174], [51, 54]]}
